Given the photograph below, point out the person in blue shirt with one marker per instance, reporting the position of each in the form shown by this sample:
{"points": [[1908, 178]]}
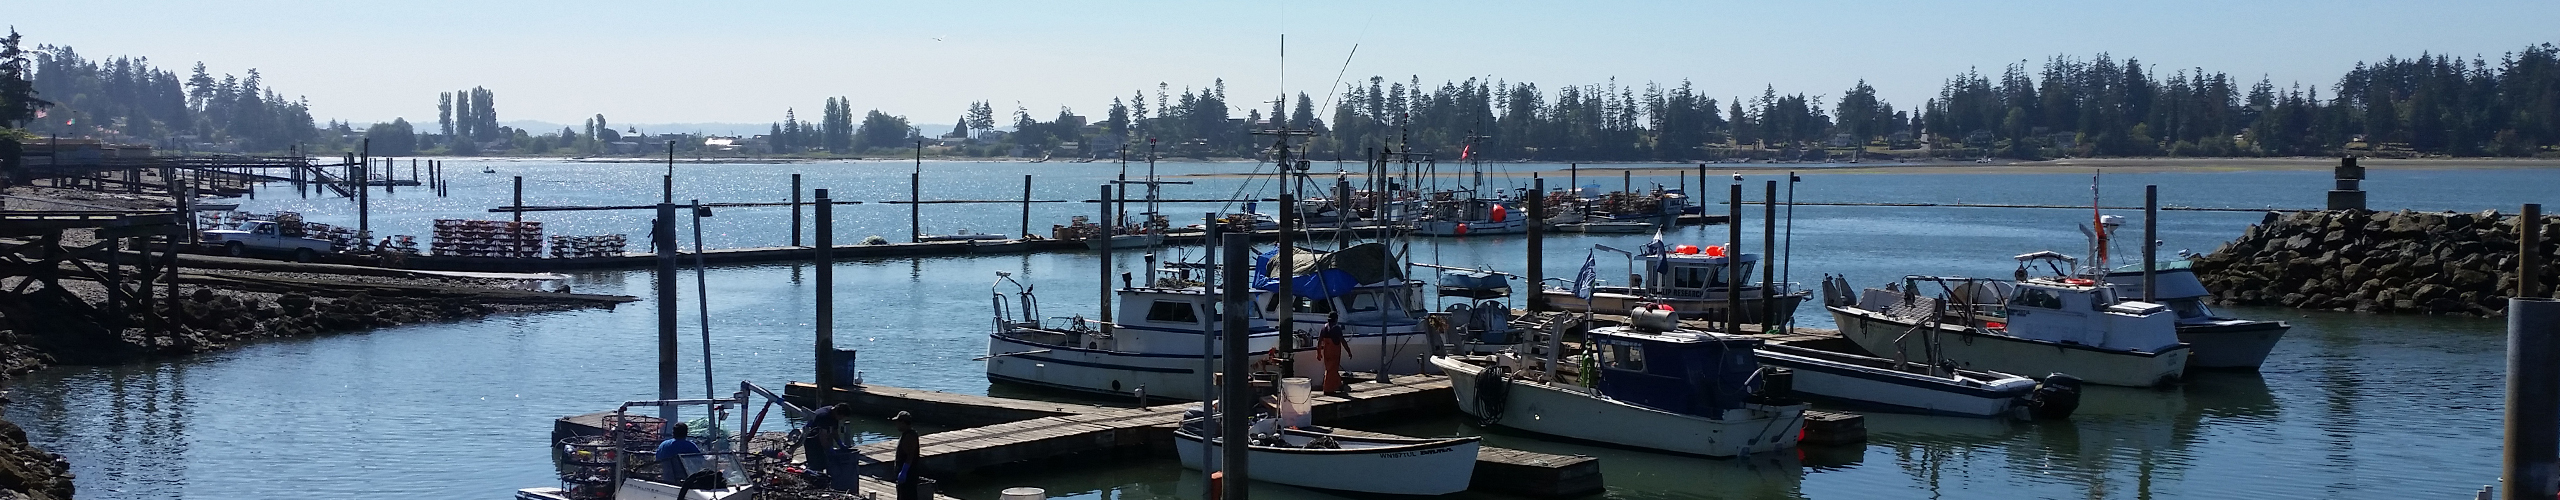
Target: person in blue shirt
{"points": [[671, 455]]}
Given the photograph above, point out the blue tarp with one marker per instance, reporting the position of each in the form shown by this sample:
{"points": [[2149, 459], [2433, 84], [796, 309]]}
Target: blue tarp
{"points": [[1324, 284]]}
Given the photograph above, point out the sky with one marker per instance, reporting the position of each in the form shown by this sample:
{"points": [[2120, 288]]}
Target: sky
{"points": [[645, 61]]}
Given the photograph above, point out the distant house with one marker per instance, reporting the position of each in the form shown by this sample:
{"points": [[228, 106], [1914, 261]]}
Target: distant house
{"points": [[721, 144]]}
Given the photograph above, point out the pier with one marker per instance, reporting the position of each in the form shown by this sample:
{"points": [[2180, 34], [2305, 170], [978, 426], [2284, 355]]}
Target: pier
{"points": [[1007, 431]]}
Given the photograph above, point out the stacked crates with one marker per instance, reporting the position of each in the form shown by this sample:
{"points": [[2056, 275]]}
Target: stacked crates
{"points": [[487, 238], [574, 247]]}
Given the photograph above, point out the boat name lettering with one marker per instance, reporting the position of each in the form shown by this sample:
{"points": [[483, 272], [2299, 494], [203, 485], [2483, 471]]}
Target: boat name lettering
{"points": [[1403, 454]]}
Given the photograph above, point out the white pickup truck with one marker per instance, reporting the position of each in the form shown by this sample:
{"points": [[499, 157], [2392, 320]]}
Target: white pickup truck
{"points": [[264, 237]]}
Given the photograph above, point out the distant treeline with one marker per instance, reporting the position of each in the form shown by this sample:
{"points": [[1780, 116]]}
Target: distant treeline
{"points": [[2065, 106]]}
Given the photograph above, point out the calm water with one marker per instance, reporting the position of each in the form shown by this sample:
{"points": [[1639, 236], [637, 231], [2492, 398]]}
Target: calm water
{"points": [[2350, 406]]}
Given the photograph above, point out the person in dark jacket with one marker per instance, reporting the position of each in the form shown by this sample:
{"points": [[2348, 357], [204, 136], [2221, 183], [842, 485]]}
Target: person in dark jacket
{"points": [[819, 437], [910, 451]]}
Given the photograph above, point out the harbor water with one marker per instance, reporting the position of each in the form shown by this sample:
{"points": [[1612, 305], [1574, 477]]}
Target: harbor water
{"points": [[2348, 406]]}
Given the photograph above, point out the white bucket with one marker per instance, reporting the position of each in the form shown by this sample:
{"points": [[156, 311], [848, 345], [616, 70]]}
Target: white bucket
{"points": [[1297, 390], [1023, 493]]}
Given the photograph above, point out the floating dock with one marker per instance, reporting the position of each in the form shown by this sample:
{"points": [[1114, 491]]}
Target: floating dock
{"points": [[1009, 431]]}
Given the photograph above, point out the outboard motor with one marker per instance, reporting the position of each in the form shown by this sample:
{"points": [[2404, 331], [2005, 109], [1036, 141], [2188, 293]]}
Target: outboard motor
{"points": [[2055, 397]]}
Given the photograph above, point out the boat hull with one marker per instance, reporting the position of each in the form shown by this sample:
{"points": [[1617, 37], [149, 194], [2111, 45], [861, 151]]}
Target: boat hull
{"points": [[1471, 228], [1689, 308], [1867, 385], [1567, 412], [2001, 353], [2239, 345], [1170, 376], [1404, 467], [1125, 241]]}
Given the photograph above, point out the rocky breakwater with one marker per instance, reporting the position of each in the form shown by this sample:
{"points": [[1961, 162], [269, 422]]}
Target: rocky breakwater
{"points": [[2380, 262]]}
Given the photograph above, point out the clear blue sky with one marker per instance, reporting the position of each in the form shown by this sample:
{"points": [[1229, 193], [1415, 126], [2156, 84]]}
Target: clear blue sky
{"points": [[659, 62]]}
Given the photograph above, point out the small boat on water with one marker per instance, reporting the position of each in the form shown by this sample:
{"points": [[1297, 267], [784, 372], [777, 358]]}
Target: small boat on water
{"points": [[2049, 324], [2221, 343], [962, 235], [1647, 385], [1318, 459], [1921, 387], [1615, 227], [1690, 279], [1125, 241]]}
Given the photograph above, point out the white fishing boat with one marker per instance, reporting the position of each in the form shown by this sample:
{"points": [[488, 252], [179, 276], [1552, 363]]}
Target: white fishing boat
{"points": [[2221, 343], [1922, 387], [1612, 227], [1469, 216], [1126, 241], [962, 235], [2049, 324], [1321, 460], [1690, 279], [1156, 340], [1380, 309], [1658, 387]]}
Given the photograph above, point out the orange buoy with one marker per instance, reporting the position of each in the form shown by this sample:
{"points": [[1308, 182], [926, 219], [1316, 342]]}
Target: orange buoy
{"points": [[1715, 250], [1685, 249], [1500, 213]]}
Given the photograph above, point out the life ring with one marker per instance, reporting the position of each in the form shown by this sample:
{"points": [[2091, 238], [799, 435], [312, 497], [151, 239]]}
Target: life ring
{"points": [[2079, 281]]}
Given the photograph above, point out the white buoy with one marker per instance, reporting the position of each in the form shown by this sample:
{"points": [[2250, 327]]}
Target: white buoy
{"points": [[1023, 493]]}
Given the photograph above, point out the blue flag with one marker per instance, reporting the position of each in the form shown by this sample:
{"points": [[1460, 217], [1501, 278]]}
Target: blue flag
{"points": [[1586, 281]]}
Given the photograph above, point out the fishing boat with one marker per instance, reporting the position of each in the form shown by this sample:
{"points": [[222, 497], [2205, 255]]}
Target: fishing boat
{"points": [[1379, 308], [2047, 324], [1690, 279], [961, 235], [1465, 216], [1648, 385], [1315, 458], [2221, 343], [1157, 340], [1920, 387]]}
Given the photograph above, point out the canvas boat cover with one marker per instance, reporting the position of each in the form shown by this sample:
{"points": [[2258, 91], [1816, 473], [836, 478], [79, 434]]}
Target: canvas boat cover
{"points": [[1323, 275]]}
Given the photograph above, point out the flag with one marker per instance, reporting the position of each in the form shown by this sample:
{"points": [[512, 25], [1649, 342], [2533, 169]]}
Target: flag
{"points": [[1585, 282], [1463, 151]]}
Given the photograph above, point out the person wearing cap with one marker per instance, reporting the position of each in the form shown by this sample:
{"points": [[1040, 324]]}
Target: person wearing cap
{"points": [[671, 455], [910, 451], [819, 437]]}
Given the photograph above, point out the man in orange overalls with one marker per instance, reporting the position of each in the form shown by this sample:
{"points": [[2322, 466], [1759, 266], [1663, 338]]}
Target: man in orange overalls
{"points": [[1330, 345]]}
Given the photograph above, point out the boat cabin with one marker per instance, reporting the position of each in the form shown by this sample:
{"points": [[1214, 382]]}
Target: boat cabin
{"points": [[2179, 289], [1388, 303], [1681, 275], [1680, 371], [1164, 318], [2086, 312]]}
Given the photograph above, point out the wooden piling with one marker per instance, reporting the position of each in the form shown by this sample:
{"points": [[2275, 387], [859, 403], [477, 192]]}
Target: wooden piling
{"points": [[2151, 243], [1733, 273], [1239, 250], [1768, 262], [663, 234], [826, 264], [2532, 451], [364, 198], [915, 193], [1103, 223], [1026, 208], [1537, 243], [795, 210]]}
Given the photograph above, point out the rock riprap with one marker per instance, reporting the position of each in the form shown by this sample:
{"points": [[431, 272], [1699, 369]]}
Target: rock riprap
{"points": [[2381, 262]]}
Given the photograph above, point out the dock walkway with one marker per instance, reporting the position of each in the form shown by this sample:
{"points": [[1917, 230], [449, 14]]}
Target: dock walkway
{"points": [[1054, 430]]}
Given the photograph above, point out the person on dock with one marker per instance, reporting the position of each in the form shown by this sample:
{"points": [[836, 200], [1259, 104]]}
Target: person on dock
{"points": [[671, 455], [819, 439], [910, 451], [1330, 346]]}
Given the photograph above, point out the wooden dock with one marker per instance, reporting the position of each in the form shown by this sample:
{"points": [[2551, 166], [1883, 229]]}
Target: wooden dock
{"points": [[1056, 430]]}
